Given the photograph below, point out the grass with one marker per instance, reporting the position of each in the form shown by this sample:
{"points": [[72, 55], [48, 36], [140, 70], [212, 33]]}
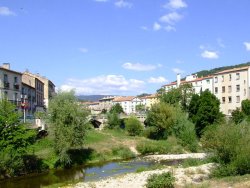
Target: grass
{"points": [[154, 167]]}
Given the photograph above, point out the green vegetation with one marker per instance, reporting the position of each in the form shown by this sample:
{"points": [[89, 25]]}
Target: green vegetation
{"points": [[133, 126], [204, 110], [117, 108], [244, 114], [67, 123], [154, 167], [164, 180], [230, 145], [14, 139], [212, 71]]}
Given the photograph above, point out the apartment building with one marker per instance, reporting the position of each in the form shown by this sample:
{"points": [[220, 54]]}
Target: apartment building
{"points": [[148, 101], [231, 87], [128, 103], [28, 94], [106, 102], [49, 87], [29, 81], [10, 84]]}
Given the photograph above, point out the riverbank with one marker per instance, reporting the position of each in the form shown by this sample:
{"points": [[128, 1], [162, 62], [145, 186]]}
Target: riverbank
{"points": [[183, 176]]}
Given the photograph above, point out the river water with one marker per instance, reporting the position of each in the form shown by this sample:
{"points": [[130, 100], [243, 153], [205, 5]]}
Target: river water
{"points": [[79, 173]]}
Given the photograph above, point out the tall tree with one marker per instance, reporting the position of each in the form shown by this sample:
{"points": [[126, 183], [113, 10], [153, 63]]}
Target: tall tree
{"points": [[204, 112], [117, 108], [245, 106], [67, 122]]}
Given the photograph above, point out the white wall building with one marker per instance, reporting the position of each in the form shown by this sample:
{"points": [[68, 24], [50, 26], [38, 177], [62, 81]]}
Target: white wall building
{"points": [[128, 103]]}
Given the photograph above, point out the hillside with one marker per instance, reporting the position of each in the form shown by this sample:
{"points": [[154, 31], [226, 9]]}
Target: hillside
{"points": [[90, 97], [212, 71]]}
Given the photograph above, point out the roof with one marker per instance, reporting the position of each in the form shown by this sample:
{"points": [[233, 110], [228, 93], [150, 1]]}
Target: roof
{"points": [[149, 96], [232, 70], [122, 99], [4, 69]]}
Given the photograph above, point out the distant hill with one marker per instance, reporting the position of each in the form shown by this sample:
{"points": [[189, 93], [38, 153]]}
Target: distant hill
{"points": [[212, 71], [91, 97]]}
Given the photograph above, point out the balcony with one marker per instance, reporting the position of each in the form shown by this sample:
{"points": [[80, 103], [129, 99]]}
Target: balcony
{"points": [[6, 85], [16, 86]]}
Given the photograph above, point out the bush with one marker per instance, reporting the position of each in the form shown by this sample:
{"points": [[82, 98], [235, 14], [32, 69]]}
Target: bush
{"points": [[133, 126], [164, 180], [230, 144], [123, 152]]}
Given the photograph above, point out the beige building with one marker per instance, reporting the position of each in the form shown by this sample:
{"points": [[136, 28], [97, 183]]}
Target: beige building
{"points": [[38, 85], [106, 102], [148, 101], [29, 94], [49, 87], [10, 84], [231, 87]]}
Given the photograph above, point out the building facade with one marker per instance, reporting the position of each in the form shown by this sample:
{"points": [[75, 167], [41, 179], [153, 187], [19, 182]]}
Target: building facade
{"points": [[10, 84]]}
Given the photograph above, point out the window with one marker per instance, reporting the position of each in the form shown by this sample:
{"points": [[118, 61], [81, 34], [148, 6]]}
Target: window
{"points": [[237, 76], [6, 94], [216, 90], [5, 78], [223, 100], [244, 81], [230, 111], [215, 79], [15, 80], [222, 78], [230, 77], [223, 89], [229, 99], [237, 99], [229, 89], [245, 92], [237, 88], [208, 81]]}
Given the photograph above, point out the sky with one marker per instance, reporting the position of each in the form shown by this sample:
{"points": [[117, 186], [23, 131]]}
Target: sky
{"points": [[122, 47]]}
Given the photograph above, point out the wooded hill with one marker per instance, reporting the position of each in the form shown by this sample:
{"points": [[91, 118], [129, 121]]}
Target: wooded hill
{"points": [[212, 71]]}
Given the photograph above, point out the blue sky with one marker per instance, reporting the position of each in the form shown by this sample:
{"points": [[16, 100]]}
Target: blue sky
{"points": [[122, 47]]}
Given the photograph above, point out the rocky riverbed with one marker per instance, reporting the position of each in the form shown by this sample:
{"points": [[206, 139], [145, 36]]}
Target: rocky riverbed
{"points": [[183, 176]]}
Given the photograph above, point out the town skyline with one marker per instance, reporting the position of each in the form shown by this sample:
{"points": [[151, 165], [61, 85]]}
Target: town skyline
{"points": [[122, 47]]}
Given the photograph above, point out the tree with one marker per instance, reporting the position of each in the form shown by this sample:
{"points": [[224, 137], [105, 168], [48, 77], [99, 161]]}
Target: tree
{"points": [[178, 96], [14, 138], [237, 116], [205, 111], [113, 120], [133, 126], [245, 106], [117, 108], [68, 123], [140, 108]]}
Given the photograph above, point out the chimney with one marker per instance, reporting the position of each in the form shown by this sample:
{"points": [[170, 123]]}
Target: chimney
{"points": [[6, 65], [178, 80]]}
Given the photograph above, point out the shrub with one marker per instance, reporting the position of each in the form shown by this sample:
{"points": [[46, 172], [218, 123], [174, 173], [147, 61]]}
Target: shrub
{"points": [[133, 126], [152, 147], [164, 180], [123, 152], [230, 144]]}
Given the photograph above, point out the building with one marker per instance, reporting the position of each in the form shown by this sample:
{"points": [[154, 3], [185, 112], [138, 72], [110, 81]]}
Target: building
{"points": [[31, 81], [148, 101], [49, 87], [28, 94], [106, 102], [128, 103], [10, 84], [231, 87]]}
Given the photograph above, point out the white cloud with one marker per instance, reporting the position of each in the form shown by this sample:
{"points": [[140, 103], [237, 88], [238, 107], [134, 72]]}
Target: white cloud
{"points": [[210, 54], [157, 80], [176, 4], [177, 70], [247, 45], [104, 84], [171, 18], [5, 11], [83, 50], [169, 28], [123, 4], [156, 26], [139, 66]]}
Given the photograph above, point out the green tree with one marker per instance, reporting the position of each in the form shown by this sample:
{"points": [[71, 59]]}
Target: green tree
{"points": [[113, 120], [14, 138], [140, 108], [68, 123], [205, 112], [117, 108], [133, 126], [193, 107], [237, 116], [172, 97], [245, 106]]}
